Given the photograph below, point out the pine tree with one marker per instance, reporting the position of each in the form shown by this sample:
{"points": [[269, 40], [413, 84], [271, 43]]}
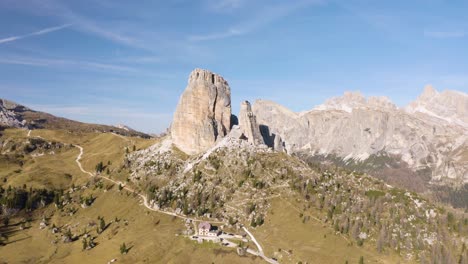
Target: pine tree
{"points": [[85, 244], [99, 167], [102, 224], [123, 249]]}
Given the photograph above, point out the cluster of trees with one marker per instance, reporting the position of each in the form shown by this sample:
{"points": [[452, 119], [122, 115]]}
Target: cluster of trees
{"points": [[457, 197], [258, 221], [100, 167], [28, 199], [202, 201], [215, 162], [390, 216]]}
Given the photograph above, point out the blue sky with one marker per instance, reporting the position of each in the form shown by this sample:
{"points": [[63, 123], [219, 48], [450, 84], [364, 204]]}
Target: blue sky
{"points": [[108, 61]]}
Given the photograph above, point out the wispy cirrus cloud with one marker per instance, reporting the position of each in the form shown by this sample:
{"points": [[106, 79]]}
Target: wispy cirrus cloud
{"points": [[225, 5], [128, 68], [445, 34], [90, 65], [220, 35], [35, 33], [266, 15], [137, 33]]}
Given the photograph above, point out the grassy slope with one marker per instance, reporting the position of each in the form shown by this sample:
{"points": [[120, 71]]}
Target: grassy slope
{"points": [[311, 242], [49, 170], [151, 236], [152, 243]]}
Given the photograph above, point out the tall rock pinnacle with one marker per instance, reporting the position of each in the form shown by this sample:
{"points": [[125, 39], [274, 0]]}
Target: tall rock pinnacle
{"points": [[248, 124], [203, 114]]}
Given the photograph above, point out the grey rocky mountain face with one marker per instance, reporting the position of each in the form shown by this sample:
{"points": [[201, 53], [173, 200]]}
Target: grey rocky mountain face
{"points": [[450, 107], [203, 114], [248, 124], [13, 115], [429, 134], [8, 116]]}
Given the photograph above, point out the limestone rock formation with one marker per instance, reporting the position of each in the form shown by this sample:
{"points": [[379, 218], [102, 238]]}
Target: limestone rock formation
{"points": [[203, 114], [248, 124], [450, 107], [353, 128], [8, 116]]}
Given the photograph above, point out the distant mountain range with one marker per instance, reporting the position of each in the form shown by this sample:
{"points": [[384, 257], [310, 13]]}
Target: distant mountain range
{"points": [[424, 142], [427, 139], [19, 116]]}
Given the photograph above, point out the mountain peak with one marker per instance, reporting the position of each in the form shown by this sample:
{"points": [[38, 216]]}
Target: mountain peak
{"points": [[428, 93], [353, 100], [450, 106], [203, 114]]}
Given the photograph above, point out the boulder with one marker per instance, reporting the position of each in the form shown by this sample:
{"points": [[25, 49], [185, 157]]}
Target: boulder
{"points": [[203, 114]]}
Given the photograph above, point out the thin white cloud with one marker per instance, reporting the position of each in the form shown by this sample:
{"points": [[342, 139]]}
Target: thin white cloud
{"points": [[444, 34], [225, 5], [90, 65], [86, 65], [229, 33], [141, 60], [260, 19], [36, 33], [137, 33]]}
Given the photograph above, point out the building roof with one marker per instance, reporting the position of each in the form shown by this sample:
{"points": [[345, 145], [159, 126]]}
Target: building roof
{"points": [[204, 225]]}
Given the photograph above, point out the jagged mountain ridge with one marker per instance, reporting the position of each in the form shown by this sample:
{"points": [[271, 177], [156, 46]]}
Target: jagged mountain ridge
{"points": [[13, 115], [449, 106], [352, 127], [236, 178]]}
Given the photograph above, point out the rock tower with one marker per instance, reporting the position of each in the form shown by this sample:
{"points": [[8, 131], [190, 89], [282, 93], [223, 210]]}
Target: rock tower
{"points": [[203, 114], [248, 124]]}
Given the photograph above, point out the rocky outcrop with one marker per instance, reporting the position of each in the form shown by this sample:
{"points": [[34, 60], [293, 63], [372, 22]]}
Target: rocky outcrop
{"points": [[248, 124], [355, 128], [8, 116], [203, 114], [353, 100], [450, 107]]}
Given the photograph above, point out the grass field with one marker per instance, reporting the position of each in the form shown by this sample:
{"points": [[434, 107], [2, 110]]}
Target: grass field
{"points": [[60, 169], [311, 242], [151, 236]]}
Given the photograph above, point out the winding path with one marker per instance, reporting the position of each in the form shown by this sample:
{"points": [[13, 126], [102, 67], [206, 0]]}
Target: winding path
{"points": [[145, 200], [78, 161], [260, 249], [146, 204]]}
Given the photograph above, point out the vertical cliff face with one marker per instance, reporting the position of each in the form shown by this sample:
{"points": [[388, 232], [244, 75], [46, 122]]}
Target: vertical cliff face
{"points": [[248, 124], [429, 135], [203, 114]]}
